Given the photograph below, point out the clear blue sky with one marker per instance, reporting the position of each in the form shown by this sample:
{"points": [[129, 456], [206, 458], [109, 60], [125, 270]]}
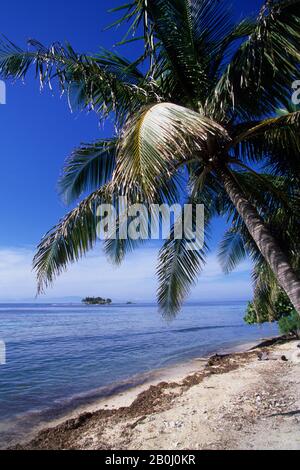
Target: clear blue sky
{"points": [[38, 132]]}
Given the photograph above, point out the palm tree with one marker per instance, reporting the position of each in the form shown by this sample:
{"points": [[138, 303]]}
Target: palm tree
{"points": [[205, 108], [237, 244]]}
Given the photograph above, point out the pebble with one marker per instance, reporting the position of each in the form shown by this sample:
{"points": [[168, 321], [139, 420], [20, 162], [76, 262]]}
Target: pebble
{"points": [[173, 424]]}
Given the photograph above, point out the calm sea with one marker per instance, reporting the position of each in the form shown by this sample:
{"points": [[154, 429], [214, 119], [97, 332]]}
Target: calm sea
{"points": [[60, 356]]}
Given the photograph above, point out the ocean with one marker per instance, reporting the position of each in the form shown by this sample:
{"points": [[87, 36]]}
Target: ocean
{"points": [[59, 356]]}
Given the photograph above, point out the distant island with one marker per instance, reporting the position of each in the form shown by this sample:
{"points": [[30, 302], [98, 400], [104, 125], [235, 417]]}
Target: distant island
{"points": [[96, 301]]}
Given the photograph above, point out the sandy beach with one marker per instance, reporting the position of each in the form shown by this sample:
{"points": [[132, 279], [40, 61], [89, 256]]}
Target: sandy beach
{"points": [[241, 400]]}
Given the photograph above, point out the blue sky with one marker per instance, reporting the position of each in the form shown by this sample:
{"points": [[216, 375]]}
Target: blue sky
{"points": [[37, 133]]}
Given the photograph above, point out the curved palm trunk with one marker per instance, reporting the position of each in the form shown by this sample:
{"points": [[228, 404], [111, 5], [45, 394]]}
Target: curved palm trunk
{"points": [[265, 241]]}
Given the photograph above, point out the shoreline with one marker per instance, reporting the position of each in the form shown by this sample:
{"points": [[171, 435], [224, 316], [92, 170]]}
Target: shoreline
{"points": [[156, 395], [112, 396]]}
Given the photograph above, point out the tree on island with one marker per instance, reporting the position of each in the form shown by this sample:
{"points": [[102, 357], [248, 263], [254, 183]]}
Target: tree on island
{"points": [[200, 104], [96, 301]]}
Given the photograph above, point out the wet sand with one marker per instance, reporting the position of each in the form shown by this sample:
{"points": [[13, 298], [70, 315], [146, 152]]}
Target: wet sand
{"points": [[239, 400]]}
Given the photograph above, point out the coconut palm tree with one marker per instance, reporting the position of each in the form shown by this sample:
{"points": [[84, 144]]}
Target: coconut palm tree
{"points": [[199, 108], [237, 244]]}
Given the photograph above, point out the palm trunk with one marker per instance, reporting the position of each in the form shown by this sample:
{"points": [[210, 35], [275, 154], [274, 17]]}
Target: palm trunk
{"points": [[269, 248]]}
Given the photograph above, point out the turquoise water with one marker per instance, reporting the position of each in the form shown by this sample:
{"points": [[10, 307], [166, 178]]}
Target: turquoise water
{"points": [[59, 356]]}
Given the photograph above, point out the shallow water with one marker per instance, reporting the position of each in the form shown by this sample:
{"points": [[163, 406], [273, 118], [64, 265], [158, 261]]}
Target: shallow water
{"points": [[59, 356]]}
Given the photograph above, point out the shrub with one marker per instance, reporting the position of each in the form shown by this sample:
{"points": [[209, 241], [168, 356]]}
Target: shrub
{"points": [[253, 317], [282, 308], [290, 324]]}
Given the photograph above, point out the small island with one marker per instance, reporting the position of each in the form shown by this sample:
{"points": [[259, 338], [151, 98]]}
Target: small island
{"points": [[96, 301]]}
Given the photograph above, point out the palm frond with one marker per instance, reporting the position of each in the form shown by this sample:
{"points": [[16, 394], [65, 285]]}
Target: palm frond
{"points": [[116, 247], [275, 142], [88, 168], [68, 241], [259, 77], [120, 66], [278, 149], [102, 83], [173, 27], [172, 191], [154, 141], [232, 250], [275, 216], [288, 120], [177, 271], [226, 46], [178, 265], [136, 15], [195, 39], [266, 290], [267, 190]]}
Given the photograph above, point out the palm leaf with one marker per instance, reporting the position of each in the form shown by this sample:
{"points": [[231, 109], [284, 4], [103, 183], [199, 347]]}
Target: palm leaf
{"points": [[232, 250], [288, 120], [103, 83], [278, 149], [194, 38], [154, 141], [259, 76], [178, 264], [266, 290], [170, 24], [171, 193], [68, 241], [88, 168], [177, 272]]}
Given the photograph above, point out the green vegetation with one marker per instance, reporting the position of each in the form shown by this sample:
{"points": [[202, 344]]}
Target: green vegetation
{"points": [[281, 308], [96, 301], [282, 311], [205, 104], [290, 324]]}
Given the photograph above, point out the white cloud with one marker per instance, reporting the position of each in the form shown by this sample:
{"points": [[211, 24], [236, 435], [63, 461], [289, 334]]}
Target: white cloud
{"points": [[134, 280]]}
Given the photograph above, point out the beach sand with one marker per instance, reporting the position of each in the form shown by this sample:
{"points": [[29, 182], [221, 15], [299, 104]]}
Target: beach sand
{"points": [[241, 400]]}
